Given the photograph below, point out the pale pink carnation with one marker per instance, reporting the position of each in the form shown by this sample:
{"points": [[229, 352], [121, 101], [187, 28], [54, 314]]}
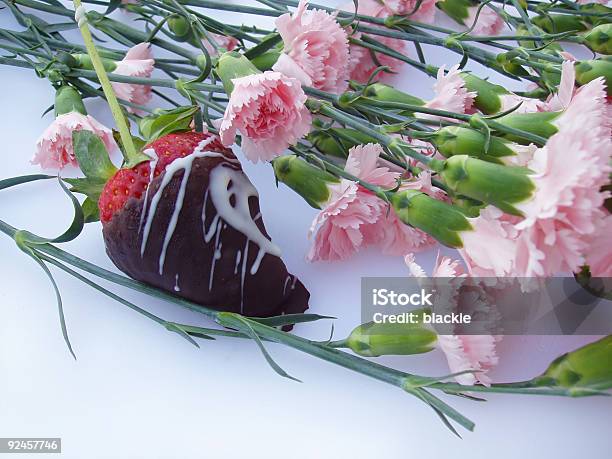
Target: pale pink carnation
{"points": [[350, 218], [361, 63], [451, 93], [489, 22], [222, 41], [269, 112], [464, 353], [489, 249], [316, 49], [570, 170], [138, 62], [425, 12], [527, 104], [54, 147], [598, 254]]}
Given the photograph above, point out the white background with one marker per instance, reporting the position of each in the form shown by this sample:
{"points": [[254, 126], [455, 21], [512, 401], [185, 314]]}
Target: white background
{"points": [[137, 391]]}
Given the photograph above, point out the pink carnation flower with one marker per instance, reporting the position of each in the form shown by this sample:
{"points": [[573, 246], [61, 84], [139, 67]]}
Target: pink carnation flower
{"points": [[269, 112], [222, 41], [451, 93], [316, 49], [361, 63], [138, 62], [425, 12], [561, 217], [463, 352], [54, 147], [599, 252], [350, 219], [489, 22]]}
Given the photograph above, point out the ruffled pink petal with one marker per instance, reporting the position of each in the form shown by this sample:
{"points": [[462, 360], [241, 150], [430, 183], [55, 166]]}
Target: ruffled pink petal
{"points": [[54, 147], [222, 41], [316, 49], [362, 162], [269, 112], [598, 254], [425, 12], [489, 22], [451, 93], [470, 353], [339, 228], [138, 62]]}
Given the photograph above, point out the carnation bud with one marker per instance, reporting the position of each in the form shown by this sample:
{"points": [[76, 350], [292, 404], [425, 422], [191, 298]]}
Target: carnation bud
{"points": [[440, 220], [307, 180], [559, 23], [68, 100], [338, 141], [374, 340], [599, 39], [234, 65], [456, 9], [487, 94], [603, 13], [455, 140], [587, 71], [502, 186], [585, 368], [180, 27], [539, 123], [83, 61], [387, 93]]}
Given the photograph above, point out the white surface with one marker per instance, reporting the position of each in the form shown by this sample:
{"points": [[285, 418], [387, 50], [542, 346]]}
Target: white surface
{"points": [[137, 391]]}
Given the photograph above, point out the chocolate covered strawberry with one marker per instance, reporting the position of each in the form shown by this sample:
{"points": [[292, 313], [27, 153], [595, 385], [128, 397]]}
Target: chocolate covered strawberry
{"points": [[187, 220]]}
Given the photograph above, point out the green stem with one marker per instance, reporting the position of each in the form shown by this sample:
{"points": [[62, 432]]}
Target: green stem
{"points": [[132, 156]]}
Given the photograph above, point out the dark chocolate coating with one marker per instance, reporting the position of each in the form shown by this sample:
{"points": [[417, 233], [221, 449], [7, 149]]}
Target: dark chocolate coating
{"points": [[270, 291]]}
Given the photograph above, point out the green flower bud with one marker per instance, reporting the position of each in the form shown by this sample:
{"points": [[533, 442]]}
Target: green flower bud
{"points": [[600, 39], [83, 61], [487, 94], [604, 13], [338, 141], [589, 367], [454, 140], [559, 23], [67, 100], [539, 123], [234, 65], [551, 48], [589, 70], [387, 93], [374, 340], [438, 219], [180, 27], [307, 180], [502, 186], [266, 60]]}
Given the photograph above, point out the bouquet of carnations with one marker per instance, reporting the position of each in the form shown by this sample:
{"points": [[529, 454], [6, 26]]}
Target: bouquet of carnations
{"points": [[516, 181]]}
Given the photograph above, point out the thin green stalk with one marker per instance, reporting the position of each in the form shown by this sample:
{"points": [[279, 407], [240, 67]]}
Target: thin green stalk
{"points": [[131, 155]]}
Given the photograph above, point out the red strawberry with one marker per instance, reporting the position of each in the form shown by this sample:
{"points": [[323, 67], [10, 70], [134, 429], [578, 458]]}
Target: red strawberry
{"points": [[194, 229]]}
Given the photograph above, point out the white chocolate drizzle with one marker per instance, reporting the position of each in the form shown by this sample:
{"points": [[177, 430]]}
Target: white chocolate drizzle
{"points": [[150, 152], [175, 166], [176, 283]]}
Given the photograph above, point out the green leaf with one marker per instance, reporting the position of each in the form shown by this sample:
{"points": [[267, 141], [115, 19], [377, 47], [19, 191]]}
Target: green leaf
{"points": [[91, 212], [21, 240], [289, 319], [241, 323], [92, 156], [13, 181], [166, 122]]}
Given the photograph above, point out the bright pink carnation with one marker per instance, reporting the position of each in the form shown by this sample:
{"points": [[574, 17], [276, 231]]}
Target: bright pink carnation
{"points": [[138, 62], [489, 22], [361, 63], [316, 49], [269, 112], [451, 93], [54, 147], [423, 12]]}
